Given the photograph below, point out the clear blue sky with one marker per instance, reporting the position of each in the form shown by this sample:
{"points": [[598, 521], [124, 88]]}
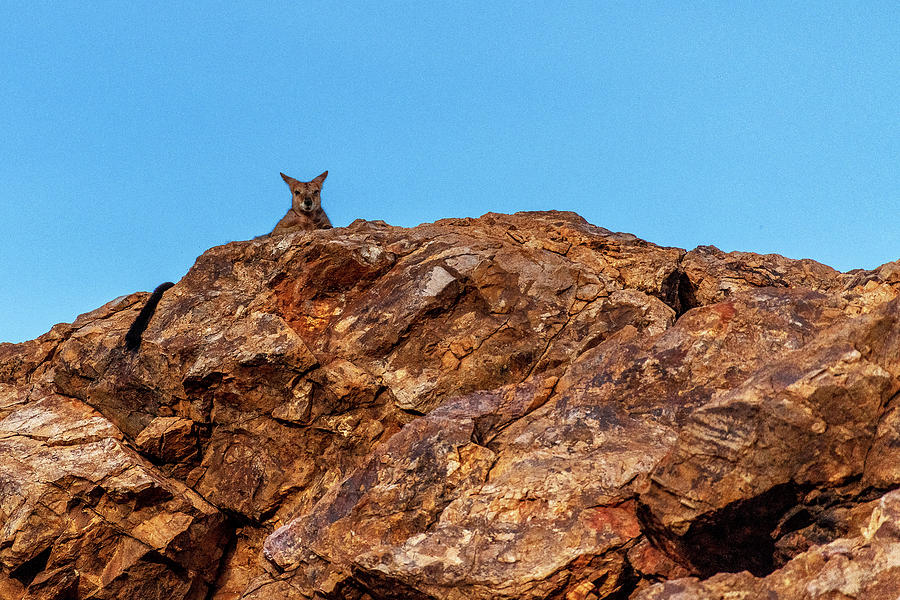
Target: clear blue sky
{"points": [[135, 135]]}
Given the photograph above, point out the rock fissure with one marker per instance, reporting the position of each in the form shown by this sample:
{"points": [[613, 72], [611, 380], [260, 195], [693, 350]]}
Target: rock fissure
{"points": [[550, 340], [28, 570]]}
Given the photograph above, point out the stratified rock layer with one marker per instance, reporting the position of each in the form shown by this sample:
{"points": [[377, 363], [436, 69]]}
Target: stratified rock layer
{"points": [[515, 407]]}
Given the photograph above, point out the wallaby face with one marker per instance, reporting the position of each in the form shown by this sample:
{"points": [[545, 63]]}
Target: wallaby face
{"points": [[306, 205], [306, 195]]}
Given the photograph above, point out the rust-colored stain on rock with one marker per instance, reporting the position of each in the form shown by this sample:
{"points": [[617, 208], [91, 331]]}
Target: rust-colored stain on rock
{"points": [[620, 519], [725, 310]]}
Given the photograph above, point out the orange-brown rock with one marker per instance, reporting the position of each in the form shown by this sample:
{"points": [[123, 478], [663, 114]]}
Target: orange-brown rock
{"points": [[515, 406], [82, 515]]}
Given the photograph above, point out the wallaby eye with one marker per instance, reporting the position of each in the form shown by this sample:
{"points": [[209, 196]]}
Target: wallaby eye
{"points": [[296, 192]]}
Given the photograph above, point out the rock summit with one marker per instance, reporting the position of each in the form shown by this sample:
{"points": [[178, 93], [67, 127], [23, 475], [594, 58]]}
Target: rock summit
{"points": [[513, 407]]}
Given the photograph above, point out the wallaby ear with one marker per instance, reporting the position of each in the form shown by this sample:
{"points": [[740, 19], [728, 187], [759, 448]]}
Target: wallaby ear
{"points": [[288, 180], [320, 178]]}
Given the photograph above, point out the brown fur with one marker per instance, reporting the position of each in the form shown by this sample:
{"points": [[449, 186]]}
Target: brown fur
{"points": [[306, 206]]}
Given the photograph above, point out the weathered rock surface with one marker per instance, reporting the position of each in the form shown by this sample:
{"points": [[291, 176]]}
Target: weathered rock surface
{"points": [[85, 516], [516, 406]]}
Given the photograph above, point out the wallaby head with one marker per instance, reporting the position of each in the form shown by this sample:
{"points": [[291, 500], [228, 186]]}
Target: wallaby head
{"points": [[306, 212], [306, 195]]}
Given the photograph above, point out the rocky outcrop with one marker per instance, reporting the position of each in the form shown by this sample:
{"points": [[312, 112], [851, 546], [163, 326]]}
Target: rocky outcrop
{"points": [[515, 406]]}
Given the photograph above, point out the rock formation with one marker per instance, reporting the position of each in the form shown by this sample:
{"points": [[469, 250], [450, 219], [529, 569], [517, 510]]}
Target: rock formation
{"points": [[512, 407]]}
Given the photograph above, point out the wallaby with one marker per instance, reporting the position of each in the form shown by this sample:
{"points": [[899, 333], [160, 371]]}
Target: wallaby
{"points": [[305, 214], [306, 206], [133, 337]]}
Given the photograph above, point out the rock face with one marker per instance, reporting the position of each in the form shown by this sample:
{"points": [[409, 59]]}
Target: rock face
{"points": [[512, 407]]}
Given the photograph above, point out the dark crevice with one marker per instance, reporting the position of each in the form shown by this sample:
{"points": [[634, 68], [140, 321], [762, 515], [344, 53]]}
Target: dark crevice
{"points": [[628, 582], [175, 567], [28, 570], [738, 537], [270, 512], [823, 517], [411, 411], [796, 518], [237, 519], [678, 292], [230, 545], [481, 426], [368, 585]]}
